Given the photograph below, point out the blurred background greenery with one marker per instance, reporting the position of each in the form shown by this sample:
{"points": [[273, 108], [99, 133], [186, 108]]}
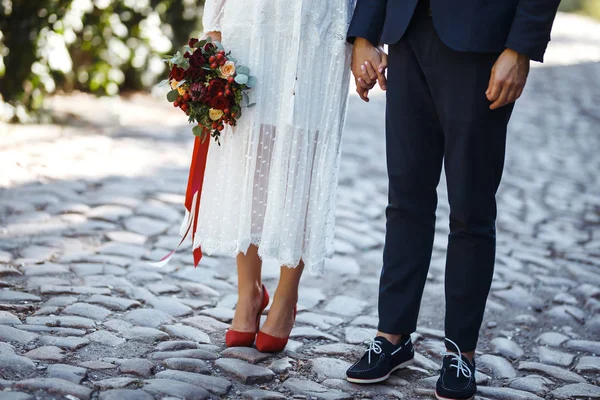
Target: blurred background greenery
{"points": [[104, 47], [586, 7]]}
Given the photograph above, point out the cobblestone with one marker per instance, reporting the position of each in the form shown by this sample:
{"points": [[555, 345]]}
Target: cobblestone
{"points": [[186, 333], [555, 372], [9, 334], [55, 386], [215, 385], [507, 348], [498, 366], [177, 389], [248, 354], [244, 372], [125, 394], [555, 357], [66, 372], [531, 383], [187, 364], [68, 343], [77, 293], [577, 390]]}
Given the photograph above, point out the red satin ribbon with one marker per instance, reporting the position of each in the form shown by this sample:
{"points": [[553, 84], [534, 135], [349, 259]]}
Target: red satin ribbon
{"points": [[195, 182], [192, 199]]}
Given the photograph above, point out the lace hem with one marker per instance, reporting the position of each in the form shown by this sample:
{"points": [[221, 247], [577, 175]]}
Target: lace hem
{"points": [[284, 258]]}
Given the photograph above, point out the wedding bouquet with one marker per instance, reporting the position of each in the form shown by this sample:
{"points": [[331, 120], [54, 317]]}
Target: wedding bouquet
{"points": [[209, 86]]}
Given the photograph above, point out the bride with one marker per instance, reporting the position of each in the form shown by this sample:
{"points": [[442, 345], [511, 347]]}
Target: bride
{"points": [[270, 188]]}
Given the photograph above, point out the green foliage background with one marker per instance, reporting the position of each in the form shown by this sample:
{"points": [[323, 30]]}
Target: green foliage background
{"points": [[101, 46], [585, 7]]}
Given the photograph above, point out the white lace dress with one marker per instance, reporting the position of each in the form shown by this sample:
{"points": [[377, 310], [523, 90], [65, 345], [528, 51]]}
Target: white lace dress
{"points": [[273, 180]]}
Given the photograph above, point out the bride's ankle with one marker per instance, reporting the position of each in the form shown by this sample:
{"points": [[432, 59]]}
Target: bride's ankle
{"points": [[285, 299], [252, 294]]}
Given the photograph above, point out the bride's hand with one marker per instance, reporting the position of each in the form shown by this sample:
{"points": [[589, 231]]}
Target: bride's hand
{"points": [[215, 36]]}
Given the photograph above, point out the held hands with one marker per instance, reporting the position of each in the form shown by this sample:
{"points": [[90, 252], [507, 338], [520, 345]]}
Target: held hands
{"points": [[508, 78], [368, 67]]}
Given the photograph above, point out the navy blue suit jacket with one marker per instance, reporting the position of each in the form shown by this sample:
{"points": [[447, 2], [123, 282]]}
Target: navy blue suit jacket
{"points": [[463, 25]]}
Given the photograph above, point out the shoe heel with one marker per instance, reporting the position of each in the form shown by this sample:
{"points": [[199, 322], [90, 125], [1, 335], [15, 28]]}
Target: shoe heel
{"points": [[235, 338]]}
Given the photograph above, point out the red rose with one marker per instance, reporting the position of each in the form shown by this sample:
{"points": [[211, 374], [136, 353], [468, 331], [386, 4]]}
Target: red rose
{"points": [[205, 98], [194, 74], [220, 103], [197, 59], [192, 42], [177, 73], [209, 47], [216, 86]]}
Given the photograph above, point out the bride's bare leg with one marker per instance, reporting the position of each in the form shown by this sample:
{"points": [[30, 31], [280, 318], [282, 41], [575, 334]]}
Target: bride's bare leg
{"points": [[249, 268], [280, 320]]}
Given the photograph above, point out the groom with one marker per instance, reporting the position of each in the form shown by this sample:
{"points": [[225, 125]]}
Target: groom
{"points": [[455, 69]]}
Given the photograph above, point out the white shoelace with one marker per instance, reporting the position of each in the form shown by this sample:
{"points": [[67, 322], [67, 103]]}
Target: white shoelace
{"points": [[461, 366], [374, 346]]}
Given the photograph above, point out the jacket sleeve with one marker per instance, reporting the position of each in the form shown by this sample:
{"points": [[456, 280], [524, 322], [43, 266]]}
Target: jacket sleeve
{"points": [[213, 14], [367, 21], [530, 31]]}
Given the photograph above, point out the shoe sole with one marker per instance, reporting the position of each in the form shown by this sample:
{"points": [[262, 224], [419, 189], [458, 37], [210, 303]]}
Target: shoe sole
{"points": [[383, 378], [438, 397]]}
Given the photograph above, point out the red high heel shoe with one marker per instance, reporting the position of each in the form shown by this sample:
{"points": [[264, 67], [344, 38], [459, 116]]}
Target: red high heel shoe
{"points": [[270, 344], [246, 339]]}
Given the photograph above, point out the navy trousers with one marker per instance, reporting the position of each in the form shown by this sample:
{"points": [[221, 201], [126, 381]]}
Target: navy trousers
{"points": [[437, 112]]}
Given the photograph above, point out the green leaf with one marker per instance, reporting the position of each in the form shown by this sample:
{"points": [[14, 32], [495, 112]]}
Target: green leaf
{"points": [[172, 95], [208, 39], [163, 83], [241, 79], [233, 60], [219, 45], [251, 81], [197, 131], [251, 105], [181, 82], [241, 70], [177, 58], [199, 44]]}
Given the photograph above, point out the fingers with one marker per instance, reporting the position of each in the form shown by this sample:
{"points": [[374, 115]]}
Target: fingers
{"points": [[361, 83], [371, 73], [500, 100], [363, 93], [488, 92], [494, 89], [510, 92], [364, 75]]}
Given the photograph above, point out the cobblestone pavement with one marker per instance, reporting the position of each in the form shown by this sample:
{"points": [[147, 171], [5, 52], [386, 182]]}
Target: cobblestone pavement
{"points": [[83, 207]]}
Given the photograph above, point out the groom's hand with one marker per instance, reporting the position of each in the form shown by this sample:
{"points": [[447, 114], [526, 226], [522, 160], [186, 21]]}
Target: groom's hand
{"points": [[366, 67], [508, 78]]}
